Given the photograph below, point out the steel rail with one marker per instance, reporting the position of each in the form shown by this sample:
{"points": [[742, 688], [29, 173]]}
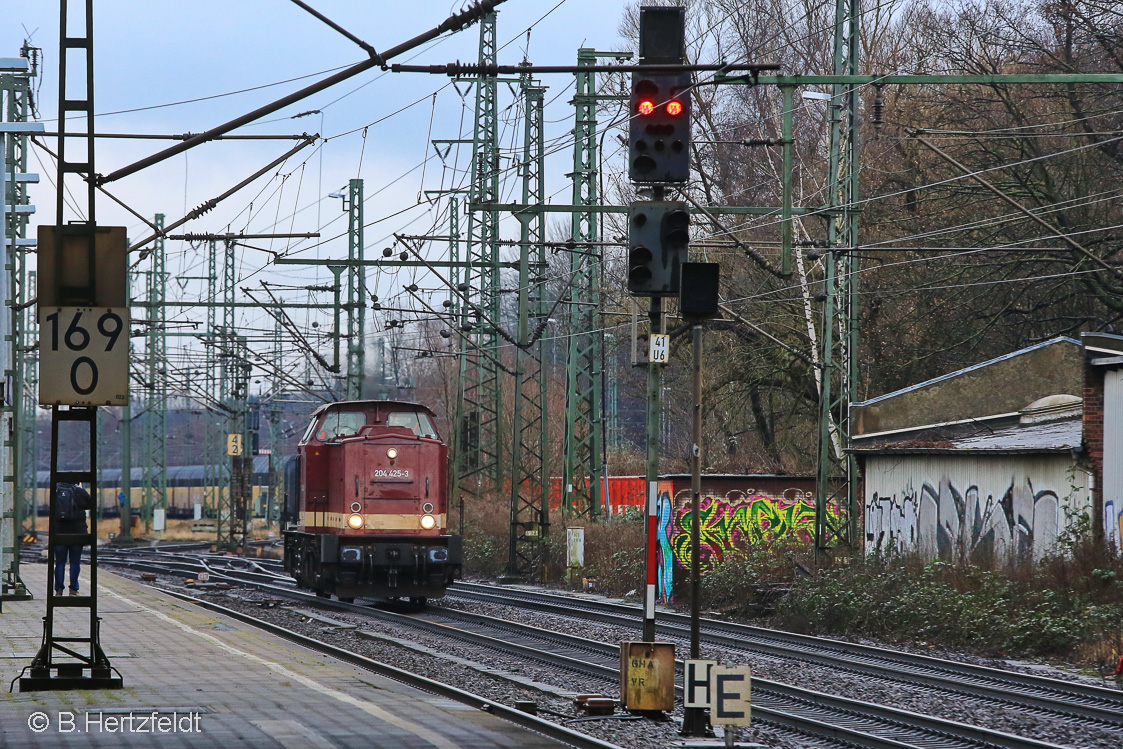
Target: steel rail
{"points": [[780, 699], [827, 716], [847, 735], [1011, 687]]}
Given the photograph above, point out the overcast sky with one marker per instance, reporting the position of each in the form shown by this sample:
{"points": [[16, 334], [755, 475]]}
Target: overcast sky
{"points": [[150, 56]]}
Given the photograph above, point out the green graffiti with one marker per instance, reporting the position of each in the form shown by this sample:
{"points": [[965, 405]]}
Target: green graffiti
{"points": [[730, 523]]}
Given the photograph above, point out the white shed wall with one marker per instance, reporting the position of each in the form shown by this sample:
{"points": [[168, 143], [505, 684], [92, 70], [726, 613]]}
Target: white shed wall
{"points": [[1113, 456], [996, 508]]}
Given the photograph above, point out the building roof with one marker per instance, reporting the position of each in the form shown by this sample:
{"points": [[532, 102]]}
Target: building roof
{"points": [[1051, 436], [1103, 348], [965, 370], [995, 391]]}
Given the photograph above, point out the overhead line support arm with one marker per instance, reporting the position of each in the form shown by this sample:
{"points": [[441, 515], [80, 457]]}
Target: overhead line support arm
{"points": [[885, 80], [208, 205], [366, 47], [466, 69]]}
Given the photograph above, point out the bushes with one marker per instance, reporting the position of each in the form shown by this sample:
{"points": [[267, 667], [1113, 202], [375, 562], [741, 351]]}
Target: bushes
{"points": [[747, 583], [615, 552], [614, 548], [486, 526], [941, 603]]}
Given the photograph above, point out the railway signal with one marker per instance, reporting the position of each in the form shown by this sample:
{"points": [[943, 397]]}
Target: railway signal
{"points": [[658, 235], [659, 128]]}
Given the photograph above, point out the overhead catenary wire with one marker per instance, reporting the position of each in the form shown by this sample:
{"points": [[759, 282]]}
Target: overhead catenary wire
{"points": [[410, 208]]}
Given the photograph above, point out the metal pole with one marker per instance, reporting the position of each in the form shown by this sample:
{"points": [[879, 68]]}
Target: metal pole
{"points": [[654, 387], [356, 293], [337, 333], [480, 427], [127, 469], [694, 720], [583, 468], [696, 492], [786, 233], [16, 213]]}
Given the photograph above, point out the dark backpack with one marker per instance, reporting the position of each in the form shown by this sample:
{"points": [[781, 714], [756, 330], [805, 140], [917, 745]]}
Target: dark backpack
{"points": [[67, 506]]}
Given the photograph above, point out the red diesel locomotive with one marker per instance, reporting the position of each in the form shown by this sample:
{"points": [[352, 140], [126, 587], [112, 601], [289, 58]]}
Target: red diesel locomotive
{"points": [[371, 505]]}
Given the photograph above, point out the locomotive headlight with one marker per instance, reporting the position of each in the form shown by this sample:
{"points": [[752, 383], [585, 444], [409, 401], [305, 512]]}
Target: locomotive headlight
{"points": [[355, 521], [428, 522], [392, 453]]}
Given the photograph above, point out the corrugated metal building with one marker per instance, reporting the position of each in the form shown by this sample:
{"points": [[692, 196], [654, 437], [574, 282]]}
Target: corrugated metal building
{"points": [[987, 464]]}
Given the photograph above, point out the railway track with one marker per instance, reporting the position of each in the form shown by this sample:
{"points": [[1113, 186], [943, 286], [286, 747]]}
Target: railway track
{"points": [[831, 719], [1035, 693]]}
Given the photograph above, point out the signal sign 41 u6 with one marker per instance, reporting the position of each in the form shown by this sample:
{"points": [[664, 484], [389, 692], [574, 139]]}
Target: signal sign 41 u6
{"points": [[84, 356]]}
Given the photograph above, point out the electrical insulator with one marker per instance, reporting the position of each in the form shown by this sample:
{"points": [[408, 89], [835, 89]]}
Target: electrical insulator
{"points": [[878, 109]]}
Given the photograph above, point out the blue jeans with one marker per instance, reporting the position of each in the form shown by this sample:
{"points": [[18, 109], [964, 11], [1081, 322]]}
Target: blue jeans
{"points": [[74, 552]]}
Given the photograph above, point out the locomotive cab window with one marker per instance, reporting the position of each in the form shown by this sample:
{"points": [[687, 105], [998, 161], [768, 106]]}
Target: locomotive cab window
{"points": [[338, 424], [310, 430], [416, 421]]}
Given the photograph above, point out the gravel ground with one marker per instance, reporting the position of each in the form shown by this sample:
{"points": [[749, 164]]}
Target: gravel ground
{"points": [[500, 678], [1010, 719], [506, 679]]}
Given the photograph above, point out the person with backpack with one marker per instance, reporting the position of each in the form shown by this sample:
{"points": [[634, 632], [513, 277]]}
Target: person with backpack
{"points": [[71, 503]]}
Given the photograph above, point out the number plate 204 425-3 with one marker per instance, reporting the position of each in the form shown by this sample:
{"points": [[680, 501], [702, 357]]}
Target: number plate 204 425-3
{"points": [[84, 356], [391, 474]]}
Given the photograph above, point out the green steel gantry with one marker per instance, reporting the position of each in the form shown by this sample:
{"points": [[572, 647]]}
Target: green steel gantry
{"points": [[478, 434], [216, 469], [583, 472], [529, 475], [276, 435], [154, 473], [18, 483], [228, 395], [836, 485], [356, 292]]}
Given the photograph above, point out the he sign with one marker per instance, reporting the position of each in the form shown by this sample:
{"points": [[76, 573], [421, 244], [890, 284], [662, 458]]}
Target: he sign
{"points": [[83, 356], [660, 349], [729, 695], [696, 683], [234, 444]]}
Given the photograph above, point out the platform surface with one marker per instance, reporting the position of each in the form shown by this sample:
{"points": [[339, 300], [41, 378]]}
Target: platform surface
{"points": [[216, 682]]}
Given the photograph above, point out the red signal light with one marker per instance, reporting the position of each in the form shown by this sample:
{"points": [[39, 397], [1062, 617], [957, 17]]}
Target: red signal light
{"points": [[646, 107], [674, 108]]}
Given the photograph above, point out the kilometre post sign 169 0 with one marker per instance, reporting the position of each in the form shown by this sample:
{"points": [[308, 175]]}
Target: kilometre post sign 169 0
{"points": [[84, 356]]}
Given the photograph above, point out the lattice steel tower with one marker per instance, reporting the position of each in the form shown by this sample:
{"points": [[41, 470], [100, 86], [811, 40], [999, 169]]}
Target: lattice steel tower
{"points": [[529, 473], [837, 509], [478, 438]]}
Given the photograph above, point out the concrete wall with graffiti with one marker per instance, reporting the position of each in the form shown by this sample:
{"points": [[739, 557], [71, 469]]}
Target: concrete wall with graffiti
{"points": [[730, 520], [991, 510]]}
